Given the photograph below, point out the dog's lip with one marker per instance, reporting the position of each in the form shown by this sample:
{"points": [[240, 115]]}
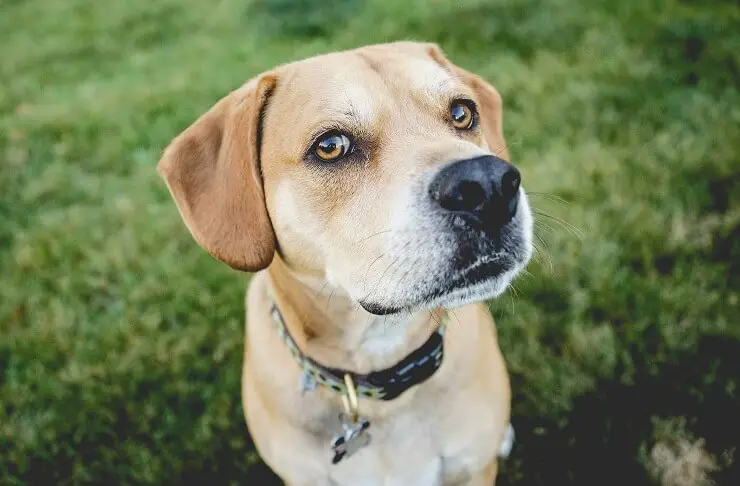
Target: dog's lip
{"points": [[469, 276], [379, 309], [474, 274]]}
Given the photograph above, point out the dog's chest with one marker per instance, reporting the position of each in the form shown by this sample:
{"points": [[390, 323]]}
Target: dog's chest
{"points": [[415, 454], [407, 469]]}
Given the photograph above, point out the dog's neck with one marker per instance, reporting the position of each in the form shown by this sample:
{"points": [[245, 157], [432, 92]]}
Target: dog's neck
{"points": [[331, 328]]}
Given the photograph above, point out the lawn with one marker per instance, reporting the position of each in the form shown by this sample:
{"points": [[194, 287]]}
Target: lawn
{"points": [[121, 340]]}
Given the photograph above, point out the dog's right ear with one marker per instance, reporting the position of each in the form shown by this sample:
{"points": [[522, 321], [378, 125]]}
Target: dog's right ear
{"points": [[212, 171]]}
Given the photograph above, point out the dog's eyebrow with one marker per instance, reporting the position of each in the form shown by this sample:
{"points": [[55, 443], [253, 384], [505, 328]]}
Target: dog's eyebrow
{"points": [[359, 104], [446, 85], [350, 113], [339, 119]]}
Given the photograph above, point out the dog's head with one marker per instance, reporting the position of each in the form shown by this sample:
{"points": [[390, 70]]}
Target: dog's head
{"points": [[382, 170]]}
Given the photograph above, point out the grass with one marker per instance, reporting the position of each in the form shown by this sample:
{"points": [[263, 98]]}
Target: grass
{"points": [[121, 340]]}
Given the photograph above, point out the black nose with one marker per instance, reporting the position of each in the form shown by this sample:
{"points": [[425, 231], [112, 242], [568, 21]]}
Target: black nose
{"points": [[485, 187]]}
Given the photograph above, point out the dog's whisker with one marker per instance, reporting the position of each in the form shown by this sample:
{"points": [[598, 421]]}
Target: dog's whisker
{"points": [[367, 272], [518, 141], [377, 283], [539, 237], [321, 289], [544, 226], [551, 197], [526, 273], [330, 297], [372, 236], [402, 279], [435, 318], [512, 298], [540, 233], [538, 222], [429, 321], [518, 296], [566, 225], [545, 254], [380, 279], [514, 290], [539, 254], [455, 316]]}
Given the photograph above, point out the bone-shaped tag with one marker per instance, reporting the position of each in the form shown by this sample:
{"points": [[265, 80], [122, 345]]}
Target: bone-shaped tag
{"points": [[353, 438]]}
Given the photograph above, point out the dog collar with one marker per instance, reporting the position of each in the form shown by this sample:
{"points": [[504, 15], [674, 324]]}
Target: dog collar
{"points": [[385, 384]]}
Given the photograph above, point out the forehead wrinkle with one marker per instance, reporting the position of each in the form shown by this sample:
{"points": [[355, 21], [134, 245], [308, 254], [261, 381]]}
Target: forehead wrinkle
{"points": [[359, 102], [444, 87], [430, 76]]}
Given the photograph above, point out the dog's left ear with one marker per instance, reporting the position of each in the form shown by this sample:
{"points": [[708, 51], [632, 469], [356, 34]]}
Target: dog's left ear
{"points": [[490, 106]]}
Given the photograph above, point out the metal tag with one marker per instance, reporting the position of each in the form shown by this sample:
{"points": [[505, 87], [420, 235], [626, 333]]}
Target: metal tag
{"points": [[353, 438]]}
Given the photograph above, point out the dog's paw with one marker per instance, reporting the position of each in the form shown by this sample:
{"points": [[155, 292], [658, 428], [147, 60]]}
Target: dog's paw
{"points": [[507, 443]]}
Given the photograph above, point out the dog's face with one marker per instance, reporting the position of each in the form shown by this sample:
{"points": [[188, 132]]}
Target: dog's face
{"points": [[380, 169]]}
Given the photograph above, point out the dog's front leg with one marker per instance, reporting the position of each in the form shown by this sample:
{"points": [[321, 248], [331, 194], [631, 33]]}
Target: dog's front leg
{"points": [[487, 477]]}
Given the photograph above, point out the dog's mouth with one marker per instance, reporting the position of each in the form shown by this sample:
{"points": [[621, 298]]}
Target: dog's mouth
{"points": [[475, 274], [379, 309]]}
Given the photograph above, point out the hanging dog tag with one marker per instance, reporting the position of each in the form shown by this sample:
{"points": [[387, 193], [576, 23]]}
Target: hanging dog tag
{"points": [[354, 434], [353, 438]]}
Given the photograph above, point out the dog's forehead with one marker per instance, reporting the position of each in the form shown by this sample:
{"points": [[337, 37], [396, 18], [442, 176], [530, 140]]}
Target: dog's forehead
{"points": [[359, 79], [364, 91]]}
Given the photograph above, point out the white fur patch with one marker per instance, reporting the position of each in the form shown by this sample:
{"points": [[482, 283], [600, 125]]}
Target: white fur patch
{"points": [[431, 77], [507, 443], [384, 336], [361, 102], [285, 206]]}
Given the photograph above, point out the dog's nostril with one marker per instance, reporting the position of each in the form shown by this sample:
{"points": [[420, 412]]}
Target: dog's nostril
{"points": [[510, 183], [465, 196], [473, 194]]}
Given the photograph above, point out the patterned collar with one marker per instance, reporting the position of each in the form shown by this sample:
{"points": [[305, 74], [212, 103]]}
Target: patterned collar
{"points": [[385, 384]]}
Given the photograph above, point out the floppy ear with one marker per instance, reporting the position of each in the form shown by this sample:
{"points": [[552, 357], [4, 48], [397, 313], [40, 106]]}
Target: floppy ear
{"points": [[489, 101], [213, 174]]}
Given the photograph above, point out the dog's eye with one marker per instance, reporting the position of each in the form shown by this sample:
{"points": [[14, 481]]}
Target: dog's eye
{"points": [[462, 114], [332, 146]]}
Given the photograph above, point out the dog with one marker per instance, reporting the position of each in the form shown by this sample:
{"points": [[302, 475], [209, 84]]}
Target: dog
{"points": [[371, 193]]}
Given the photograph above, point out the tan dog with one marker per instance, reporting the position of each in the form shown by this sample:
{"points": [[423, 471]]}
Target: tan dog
{"points": [[369, 189]]}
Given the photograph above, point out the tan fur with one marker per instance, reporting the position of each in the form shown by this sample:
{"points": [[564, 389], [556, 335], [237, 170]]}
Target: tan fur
{"points": [[239, 198]]}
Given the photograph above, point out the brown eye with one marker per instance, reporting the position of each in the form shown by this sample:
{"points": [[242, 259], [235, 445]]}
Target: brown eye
{"points": [[462, 115], [332, 146]]}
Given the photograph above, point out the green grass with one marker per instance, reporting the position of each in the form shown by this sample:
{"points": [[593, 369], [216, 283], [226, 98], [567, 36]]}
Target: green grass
{"points": [[121, 340]]}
